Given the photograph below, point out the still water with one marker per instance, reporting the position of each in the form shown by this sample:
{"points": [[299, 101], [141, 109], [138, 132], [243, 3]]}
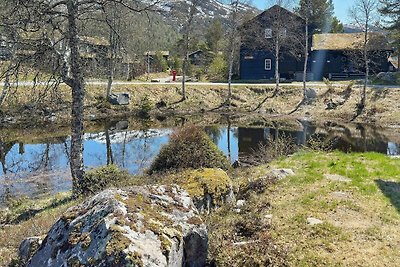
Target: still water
{"points": [[41, 167]]}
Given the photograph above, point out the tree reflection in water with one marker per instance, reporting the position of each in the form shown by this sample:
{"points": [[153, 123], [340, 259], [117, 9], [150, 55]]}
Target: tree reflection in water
{"points": [[42, 165]]}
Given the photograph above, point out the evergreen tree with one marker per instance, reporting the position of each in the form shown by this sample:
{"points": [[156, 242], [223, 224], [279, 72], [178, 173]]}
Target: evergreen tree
{"points": [[337, 26], [320, 13], [391, 9], [214, 35]]}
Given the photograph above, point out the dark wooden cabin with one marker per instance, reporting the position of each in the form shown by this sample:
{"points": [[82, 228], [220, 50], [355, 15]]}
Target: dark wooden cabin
{"points": [[333, 56], [257, 51], [197, 58], [339, 55]]}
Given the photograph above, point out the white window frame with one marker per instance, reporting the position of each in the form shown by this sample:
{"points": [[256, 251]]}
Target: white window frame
{"points": [[268, 33], [268, 64]]}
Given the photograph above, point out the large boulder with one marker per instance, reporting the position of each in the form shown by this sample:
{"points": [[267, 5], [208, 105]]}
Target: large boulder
{"points": [[138, 226], [209, 188], [120, 99]]}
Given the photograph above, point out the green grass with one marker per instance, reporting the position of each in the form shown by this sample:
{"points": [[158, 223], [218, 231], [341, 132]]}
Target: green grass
{"points": [[362, 224], [369, 211]]}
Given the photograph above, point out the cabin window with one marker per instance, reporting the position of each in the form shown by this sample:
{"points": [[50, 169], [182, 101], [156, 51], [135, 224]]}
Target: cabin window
{"points": [[3, 44], [268, 64], [248, 57], [268, 33]]}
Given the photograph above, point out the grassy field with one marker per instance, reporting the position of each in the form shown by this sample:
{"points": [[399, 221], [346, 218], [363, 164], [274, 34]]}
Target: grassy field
{"points": [[356, 197]]}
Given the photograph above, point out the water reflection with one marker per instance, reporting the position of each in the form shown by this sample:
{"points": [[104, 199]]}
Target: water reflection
{"points": [[43, 166]]}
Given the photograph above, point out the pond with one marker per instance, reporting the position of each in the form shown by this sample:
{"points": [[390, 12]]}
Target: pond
{"points": [[41, 166]]}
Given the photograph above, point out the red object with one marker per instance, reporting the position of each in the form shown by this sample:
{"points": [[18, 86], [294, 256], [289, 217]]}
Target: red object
{"points": [[174, 75]]}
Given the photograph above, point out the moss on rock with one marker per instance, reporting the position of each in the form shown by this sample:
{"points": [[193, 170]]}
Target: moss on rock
{"points": [[204, 185]]}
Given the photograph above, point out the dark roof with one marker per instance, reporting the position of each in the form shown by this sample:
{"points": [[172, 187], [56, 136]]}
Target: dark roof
{"points": [[264, 16]]}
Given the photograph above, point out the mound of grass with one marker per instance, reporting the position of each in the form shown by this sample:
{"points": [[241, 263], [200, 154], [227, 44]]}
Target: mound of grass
{"points": [[101, 178], [189, 148]]}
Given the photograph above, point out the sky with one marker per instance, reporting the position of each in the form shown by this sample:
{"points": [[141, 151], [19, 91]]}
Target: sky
{"points": [[341, 8]]}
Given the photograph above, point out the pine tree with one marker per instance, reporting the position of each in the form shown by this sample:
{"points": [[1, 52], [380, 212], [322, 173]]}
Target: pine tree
{"points": [[391, 9], [320, 13], [214, 35], [337, 26]]}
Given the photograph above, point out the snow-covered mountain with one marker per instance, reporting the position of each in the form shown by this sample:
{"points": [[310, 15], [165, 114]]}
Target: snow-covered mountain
{"points": [[175, 11], [206, 9]]}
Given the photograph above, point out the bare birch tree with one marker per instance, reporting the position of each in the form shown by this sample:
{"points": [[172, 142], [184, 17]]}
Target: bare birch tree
{"points": [[187, 34], [364, 15], [56, 27], [233, 42]]}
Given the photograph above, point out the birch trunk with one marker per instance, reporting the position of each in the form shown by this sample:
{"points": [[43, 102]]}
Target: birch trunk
{"points": [[365, 52], [305, 63], [231, 56], [78, 94], [277, 66], [6, 87]]}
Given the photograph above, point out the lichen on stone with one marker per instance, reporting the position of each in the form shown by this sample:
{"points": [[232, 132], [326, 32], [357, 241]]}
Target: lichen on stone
{"points": [[201, 184], [132, 227]]}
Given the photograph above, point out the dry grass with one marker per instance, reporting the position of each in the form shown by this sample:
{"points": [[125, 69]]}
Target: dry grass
{"points": [[361, 217], [27, 218], [382, 104]]}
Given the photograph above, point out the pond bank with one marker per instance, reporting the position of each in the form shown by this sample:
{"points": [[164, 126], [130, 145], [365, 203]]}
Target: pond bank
{"points": [[163, 100], [35, 162], [337, 209]]}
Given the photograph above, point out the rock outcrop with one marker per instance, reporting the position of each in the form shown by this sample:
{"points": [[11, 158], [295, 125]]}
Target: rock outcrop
{"points": [[138, 226], [209, 188]]}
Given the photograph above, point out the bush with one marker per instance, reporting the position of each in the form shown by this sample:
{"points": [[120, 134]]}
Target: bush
{"points": [[145, 107], [189, 148], [273, 149], [101, 178], [218, 68]]}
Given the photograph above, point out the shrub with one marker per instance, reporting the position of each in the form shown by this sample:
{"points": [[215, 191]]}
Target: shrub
{"points": [[273, 149], [101, 178], [189, 148], [145, 107], [218, 68]]}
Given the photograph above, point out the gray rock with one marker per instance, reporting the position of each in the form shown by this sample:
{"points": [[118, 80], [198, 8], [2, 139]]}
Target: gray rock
{"points": [[340, 195], [311, 94], [137, 226], [280, 174], [28, 247], [313, 221], [122, 125], [268, 216], [120, 99], [209, 188], [92, 117], [387, 76], [240, 203]]}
